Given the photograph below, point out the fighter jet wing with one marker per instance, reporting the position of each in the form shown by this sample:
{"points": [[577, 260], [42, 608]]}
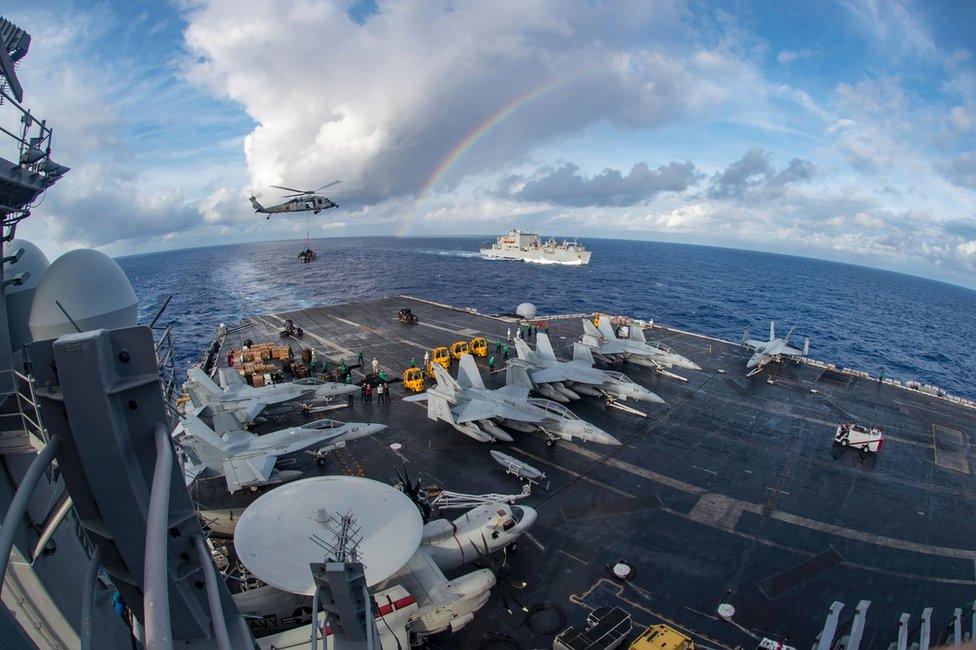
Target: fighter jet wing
{"points": [[244, 470], [473, 410], [753, 343], [548, 375], [791, 351]]}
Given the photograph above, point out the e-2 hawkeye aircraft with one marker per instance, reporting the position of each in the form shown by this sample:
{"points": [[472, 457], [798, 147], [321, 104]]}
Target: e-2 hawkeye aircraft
{"points": [[298, 201]]}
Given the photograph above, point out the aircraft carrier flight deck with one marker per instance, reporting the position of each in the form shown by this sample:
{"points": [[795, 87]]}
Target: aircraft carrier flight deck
{"points": [[730, 492]]}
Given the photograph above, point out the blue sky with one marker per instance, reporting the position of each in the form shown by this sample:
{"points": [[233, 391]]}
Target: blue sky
{"points": [[842, 130]]}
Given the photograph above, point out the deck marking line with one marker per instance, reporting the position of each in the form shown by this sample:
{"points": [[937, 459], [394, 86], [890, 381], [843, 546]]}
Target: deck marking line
{"points": [[796, 520]]}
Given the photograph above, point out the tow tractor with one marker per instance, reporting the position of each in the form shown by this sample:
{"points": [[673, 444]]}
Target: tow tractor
{"points": [[292, 330], [406, 316], [859, 437], [479, 346], [442, 356], [459, 349], [413, 379]]}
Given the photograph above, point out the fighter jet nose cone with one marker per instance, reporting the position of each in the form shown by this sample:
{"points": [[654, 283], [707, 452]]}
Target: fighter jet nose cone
{"points": [[376, 428], [653, 398]]}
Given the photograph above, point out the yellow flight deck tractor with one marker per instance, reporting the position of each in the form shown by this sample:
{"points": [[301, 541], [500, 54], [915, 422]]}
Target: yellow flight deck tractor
{"points": [[662, 637], [442, 356], [459, 349], [413, 379], [479, 346]]}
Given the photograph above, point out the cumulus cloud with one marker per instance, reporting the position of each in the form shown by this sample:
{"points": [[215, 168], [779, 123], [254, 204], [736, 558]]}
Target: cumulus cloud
{"points": [[754, 173], [384, 103], [565, 185]]}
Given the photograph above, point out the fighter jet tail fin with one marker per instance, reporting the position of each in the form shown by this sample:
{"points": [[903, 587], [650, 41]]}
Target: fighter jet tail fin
{"points": [[789, 334], [543, 347], [605, 327], [445, 382], [772, 330], [516, 375], [590, 329], [202, 388], [636, 333], [590, 341], [203, 442], [439, 409], [468, 375], [582, 353], [806, 347], [524, 352]]}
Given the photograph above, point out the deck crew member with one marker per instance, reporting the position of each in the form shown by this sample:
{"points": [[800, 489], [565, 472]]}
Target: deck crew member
{"points": [[491, 364], [426, 358], [379, 393], [376, 366]]}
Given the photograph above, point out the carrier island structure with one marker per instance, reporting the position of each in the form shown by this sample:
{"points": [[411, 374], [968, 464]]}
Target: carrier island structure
{"points": [[742, 523]]}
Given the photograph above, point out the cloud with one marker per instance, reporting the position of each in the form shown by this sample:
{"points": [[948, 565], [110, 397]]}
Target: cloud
{"points": [[383, 104], [565, 185], [754, 173], [961, 170], [789, 56]]}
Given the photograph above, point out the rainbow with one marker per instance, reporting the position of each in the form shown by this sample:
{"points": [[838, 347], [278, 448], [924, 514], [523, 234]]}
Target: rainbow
{"points": [[470, 140]]}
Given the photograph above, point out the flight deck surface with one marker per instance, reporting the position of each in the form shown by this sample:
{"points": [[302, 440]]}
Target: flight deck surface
{"points": [[732, 491]]}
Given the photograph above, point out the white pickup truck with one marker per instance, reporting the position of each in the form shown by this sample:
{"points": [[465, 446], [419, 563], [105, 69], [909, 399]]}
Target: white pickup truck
{"points": [[859, 437]]}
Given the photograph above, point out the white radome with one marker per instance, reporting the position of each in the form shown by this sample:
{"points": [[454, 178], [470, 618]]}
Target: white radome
{"points": [[91, 287], [33, 262], [526, 310]]}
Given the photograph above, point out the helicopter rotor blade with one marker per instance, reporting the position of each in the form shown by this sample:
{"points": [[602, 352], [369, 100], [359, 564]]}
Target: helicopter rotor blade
{"points": [[327, 185], [290, 189]]}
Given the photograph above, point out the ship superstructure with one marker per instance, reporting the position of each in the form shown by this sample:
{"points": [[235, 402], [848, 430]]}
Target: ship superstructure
{"points": [[528, 247]]}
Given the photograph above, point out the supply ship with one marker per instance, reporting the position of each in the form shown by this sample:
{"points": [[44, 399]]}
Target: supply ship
{"points": [[527, 247], [726, 517]]}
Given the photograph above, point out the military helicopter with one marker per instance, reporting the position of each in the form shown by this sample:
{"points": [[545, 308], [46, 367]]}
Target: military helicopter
{"points": [[299, 201]]}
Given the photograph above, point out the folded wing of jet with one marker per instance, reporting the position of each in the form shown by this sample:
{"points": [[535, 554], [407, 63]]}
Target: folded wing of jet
{"points": [[246, 459], [634, 349], [248, 402], [474, 410], [565, 380]]}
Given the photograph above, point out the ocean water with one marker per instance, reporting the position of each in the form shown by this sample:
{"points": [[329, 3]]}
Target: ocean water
{"points": [[908, 327]]}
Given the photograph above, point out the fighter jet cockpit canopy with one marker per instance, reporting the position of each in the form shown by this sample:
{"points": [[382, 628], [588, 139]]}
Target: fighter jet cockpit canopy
{"points": [[81, 291]]}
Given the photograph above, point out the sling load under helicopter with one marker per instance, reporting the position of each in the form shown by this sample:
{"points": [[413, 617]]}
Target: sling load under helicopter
{"points": [[298, 201]]}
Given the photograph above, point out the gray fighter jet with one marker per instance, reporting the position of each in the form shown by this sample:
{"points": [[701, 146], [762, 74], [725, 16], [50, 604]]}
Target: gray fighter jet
{"points": [[476, 411], [634, 349], [247, 402], [246, 459], [772, 350], [563, 380]]}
